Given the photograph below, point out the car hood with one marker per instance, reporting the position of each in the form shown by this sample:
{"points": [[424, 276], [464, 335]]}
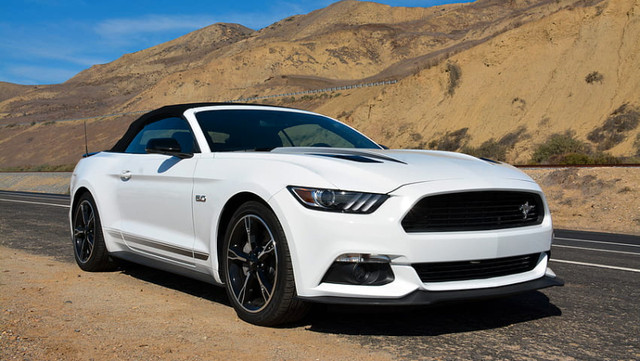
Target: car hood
{"points": [[383, 171]]}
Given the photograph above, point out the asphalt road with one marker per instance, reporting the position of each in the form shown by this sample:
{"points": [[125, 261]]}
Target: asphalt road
{"points": [[596, 316]]}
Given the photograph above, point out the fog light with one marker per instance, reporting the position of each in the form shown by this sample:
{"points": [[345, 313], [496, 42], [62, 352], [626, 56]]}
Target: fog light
{"points": [[360, 269], [363, 258]]}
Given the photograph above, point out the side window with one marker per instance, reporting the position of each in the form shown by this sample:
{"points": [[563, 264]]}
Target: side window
{"points": [[176, 128]]}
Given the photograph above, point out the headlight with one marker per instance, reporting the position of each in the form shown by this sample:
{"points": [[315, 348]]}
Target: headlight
{"points": [[338, 201]]}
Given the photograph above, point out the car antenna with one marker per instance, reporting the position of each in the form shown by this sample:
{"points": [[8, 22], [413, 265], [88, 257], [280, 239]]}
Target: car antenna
{"points": [[86, 143]]}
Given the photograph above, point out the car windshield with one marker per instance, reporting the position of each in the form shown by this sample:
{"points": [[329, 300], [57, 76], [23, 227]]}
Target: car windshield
{"points": [[264, 130]]}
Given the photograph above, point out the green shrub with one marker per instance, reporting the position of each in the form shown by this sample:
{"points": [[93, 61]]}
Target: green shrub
{"points": [[455, 73], [593, 77], [615, 128], [497, 150], [565, 149], [509, 140], [558, 145], [490, 149], [583, 158], [451, 141], [571, 158], [605, 158]]}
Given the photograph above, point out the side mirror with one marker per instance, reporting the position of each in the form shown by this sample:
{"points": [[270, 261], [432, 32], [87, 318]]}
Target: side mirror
{"points": [[167, 146]]}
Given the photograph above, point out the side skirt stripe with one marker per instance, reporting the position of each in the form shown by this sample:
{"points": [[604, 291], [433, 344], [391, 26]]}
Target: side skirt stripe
{"points": [[165, 247]]}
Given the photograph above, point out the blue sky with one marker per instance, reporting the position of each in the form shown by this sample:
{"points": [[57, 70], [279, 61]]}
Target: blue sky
{"points": [[49, 41]]}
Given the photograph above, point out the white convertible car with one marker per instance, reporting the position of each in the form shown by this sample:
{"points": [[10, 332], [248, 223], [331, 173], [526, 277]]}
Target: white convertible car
{"points": [[285, 207]]}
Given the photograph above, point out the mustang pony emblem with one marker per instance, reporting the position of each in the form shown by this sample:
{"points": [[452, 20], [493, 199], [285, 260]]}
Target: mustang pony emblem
{"points": [[525, 209]]}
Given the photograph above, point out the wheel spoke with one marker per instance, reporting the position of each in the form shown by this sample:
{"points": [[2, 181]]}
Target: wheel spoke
{"points": [[85, 214], [268, 249], [247, 228], [91, 220], [265, 286], [79, 232], [242, 294], [86, 248], [235, 254]]}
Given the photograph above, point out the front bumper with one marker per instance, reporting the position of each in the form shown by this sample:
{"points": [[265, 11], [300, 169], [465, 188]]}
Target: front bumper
{"points": [[422, 297], [317, 238]]}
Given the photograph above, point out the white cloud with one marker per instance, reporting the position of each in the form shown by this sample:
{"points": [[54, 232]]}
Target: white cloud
{"points": [[150, 24], [32, 74], [61, 52]]}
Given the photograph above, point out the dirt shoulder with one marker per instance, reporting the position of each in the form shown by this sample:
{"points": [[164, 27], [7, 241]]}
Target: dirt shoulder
{"points": [[592, 199], [74, 315], [41, 182]]}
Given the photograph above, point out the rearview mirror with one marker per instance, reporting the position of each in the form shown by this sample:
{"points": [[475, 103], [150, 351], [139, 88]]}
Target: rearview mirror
{"points": [[167, 146]]}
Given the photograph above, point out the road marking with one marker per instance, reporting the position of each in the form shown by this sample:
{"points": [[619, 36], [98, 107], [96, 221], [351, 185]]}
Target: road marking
{"points": [[597, 265], [601, 242], [40, 203], [596, 249]]}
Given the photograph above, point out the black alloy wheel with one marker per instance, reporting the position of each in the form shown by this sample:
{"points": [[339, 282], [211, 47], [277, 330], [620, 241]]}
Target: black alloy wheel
{"points": [[252, 263], [88, 242], [257, 266]]}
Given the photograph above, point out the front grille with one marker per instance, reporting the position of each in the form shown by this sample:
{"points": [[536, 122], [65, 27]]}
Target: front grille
{"points": [[474, 211], [473, 270]]}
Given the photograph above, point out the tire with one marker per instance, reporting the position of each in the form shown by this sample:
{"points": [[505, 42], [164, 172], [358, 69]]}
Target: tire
{"points": [[257, 268], [88, 241]]}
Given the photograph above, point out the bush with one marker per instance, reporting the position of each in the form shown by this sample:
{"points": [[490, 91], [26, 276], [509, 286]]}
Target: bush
{"points": [[565, 149], [451, 141], [593, 77], [455, 73], [490, 149], [509, 140], [571, 158], [613, 130], [605, 158], [558, 145], [497, 150], [583, 158]]}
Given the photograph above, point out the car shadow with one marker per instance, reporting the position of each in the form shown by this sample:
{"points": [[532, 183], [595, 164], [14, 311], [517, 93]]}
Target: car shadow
{"points": [[431, 320], [175, 282], [380, 320]]}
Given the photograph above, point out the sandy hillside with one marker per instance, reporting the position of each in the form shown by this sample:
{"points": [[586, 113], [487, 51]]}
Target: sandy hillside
{"points": [[515, 72]]}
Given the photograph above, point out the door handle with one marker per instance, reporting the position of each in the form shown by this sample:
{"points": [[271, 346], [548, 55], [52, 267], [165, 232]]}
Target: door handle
{"points": [[125, 175]]}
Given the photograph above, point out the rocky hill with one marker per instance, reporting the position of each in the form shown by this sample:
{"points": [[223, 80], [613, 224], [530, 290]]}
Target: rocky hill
{"points": [[493, 75]]}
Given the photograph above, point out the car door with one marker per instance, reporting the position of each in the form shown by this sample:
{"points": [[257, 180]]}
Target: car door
{"points": [[155, 194]]}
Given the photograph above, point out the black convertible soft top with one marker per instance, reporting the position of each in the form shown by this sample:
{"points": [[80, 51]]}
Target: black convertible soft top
{"points": [[168, 111]]}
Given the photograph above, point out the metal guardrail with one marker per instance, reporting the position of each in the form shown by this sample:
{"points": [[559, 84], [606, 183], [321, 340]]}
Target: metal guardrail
{"points": [[325, 90]]}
